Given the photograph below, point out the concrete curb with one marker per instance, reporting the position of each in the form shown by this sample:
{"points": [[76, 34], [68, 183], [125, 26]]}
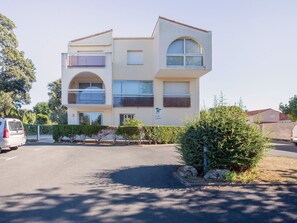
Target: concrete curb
{"points": [[220, 184]]}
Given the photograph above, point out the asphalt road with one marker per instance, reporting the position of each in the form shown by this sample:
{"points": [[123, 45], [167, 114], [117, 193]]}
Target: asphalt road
{"points": [[124, 184], [283, 149]]}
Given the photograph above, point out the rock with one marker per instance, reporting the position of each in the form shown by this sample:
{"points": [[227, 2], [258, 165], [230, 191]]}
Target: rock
{"points": [[216, 174], [187, 171]]}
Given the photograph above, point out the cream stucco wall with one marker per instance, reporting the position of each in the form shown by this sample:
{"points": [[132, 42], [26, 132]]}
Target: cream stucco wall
{"points": [[123, 71], [153, 68]]}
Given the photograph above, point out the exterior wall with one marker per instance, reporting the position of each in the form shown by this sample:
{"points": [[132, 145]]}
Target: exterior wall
{"points": [[266, 116], [73, 114], [154, 59], [123, 71], [278, 130], [165, 35], [68, 74]]}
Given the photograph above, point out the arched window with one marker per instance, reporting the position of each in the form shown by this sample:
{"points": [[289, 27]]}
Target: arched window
{"points": [[184, 52]]}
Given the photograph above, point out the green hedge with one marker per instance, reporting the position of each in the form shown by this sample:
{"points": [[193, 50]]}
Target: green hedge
{"points": [[129, 132], [163, 134], [73, 130], [154, 134]]}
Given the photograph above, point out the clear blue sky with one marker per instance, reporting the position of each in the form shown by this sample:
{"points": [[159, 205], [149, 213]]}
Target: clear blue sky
{"points": [[254, 42]]}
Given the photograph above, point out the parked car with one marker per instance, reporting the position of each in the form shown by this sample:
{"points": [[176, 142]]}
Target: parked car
{"points": [[294, 135], [12, 133]]}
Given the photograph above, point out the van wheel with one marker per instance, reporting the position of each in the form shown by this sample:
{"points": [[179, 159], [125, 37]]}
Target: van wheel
{"points": [[295, 143], [14, 148]]}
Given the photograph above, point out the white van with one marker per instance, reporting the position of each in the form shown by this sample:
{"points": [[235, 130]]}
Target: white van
{"points": [[12, 133], [294, 135]]}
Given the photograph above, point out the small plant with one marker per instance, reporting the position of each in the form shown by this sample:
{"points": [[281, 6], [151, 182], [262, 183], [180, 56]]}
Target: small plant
{"points": [[132, 122], [232, 177]]}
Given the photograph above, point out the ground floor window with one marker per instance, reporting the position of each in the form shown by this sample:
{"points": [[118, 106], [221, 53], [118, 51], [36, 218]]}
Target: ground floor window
{"points": [[123, 117], [90, 118]]}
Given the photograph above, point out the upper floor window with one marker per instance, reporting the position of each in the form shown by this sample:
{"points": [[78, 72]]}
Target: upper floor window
{"points": [[133, 93], [184, 52], [134, 57]]}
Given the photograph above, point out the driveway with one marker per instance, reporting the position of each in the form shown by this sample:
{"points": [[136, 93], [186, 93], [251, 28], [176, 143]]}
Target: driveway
{"points": [[283, 149], [124, 184]]}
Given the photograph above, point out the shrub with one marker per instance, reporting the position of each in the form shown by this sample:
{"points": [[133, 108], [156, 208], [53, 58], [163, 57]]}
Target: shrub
{"points": [[73, 130], [232, 143], [132, 122], [42, 119], [162, 134], [129, 132]]}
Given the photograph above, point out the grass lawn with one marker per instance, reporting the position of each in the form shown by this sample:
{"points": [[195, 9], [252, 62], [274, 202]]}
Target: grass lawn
{"points": [[277, 169]]}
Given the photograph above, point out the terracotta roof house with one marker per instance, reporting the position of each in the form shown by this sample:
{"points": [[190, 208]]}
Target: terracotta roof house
{"points": [[267, 116], [106, 79]]}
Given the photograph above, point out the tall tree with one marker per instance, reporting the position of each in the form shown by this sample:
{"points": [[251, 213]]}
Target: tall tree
{"points": [[16, 72], [290, 109], [42, 108], [58, 111]]}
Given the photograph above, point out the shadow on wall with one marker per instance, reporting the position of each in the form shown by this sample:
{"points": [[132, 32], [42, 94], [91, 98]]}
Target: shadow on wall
{"points": [[108, 203]]}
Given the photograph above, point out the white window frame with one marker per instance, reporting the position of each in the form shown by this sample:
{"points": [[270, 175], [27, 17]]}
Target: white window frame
{"points": [[140, 62], [185, 55]]}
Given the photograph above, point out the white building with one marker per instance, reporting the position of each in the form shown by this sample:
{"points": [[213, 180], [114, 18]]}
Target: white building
{"points": [[106, 79]]}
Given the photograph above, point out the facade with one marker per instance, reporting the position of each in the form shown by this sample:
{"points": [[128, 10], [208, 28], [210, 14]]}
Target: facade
{"points": [[155, 79], [267, 116]]}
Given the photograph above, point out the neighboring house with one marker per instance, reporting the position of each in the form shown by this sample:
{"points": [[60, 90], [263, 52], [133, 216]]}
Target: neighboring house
{"points": [[267, 116], [155, 79]]}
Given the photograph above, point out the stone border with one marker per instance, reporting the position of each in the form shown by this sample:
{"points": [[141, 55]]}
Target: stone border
{"points": [[222, 184]]}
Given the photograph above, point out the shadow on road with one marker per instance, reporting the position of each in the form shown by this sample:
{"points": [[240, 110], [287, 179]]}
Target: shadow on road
{"points": [[287, 147], [155, 177], [107, 204]]}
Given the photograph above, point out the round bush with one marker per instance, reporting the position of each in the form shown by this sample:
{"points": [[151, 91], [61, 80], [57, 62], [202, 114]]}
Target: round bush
{"points": [[232, 143]]}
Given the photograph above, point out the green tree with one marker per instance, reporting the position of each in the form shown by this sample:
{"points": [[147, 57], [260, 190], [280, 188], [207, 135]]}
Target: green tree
{"points": [[58, 111], [42, 119], [16, 72], [28, 117], [290, 109], [42, 108]]}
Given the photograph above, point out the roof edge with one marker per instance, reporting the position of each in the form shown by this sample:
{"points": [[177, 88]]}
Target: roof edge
{"points": [[86, 37], [179, 23]]}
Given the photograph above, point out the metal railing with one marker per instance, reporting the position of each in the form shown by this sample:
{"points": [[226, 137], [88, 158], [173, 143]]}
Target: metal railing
{"points": [[143, 100], [86, 59]]}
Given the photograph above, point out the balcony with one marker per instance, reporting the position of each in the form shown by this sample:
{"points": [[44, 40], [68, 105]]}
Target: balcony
{"points": [[86, 96], [181, 101], [133, 100], [76, 60]]}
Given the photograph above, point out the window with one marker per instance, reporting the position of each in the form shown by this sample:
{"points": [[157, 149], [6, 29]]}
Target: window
{"points": [[184, 52], [123, 117], [88, 85], [133, 87], [176, 94], [133, 94], [135, 57], [90, 118]]}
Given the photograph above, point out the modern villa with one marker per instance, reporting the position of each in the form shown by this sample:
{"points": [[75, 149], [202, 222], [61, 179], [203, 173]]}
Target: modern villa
{"points": [[107, 79]]}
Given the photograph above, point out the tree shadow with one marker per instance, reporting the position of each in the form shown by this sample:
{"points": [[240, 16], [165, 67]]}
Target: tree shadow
{"points": [[108, 204], [153, 177], [286, 147]]}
